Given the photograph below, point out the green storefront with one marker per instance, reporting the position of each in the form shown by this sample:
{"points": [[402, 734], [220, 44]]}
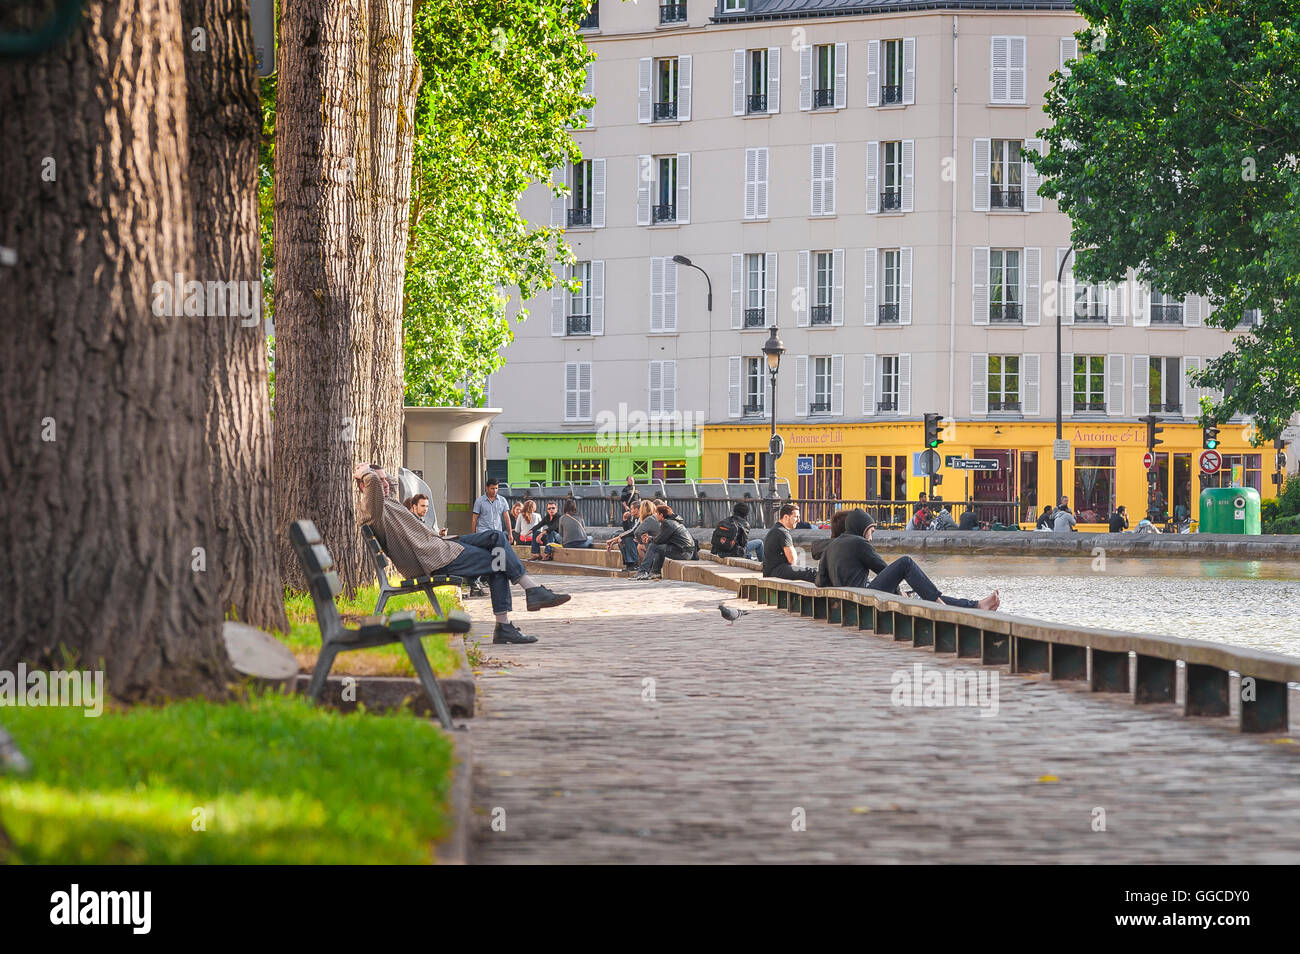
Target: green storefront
{"points": [[561, 458]]}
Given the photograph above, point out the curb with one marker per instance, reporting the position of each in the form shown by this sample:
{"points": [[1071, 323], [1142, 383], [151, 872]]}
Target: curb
{"points": [[454, 849], [384, 693]]}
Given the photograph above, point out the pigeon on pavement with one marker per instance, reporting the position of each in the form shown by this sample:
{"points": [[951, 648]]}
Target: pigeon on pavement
{"points": [[729, 614]]}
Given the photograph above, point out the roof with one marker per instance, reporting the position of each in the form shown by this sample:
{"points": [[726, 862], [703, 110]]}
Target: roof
{"points": [[801, 9]]}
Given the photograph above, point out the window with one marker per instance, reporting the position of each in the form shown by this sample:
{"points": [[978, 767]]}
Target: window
{"points": [[1006, 169], [1090, 383], [1165, 310], [891, 75], [581, 194], [584, 206], [756, 86], [891, 72], [1165, 385], [1091, 303], [823, 305], [1251, 471], [1029, 484], [823, 179], [821, 393], [537, 465], [668, 470], [756, 183], [824, 76], [819, 385], [755, 290], [751, 465], [1004, 382], [890, 283], [1094, 484], [888, 403], [663, 89], [824, 483], [754, 385], [579, 321], [663, 387], [1004, 285], [577, 391], [592, 20], [665, 209], [580, 471], [756, 81], [887, 477], [640, 468], [891, 172], [665, 106], [733, 6], [672, 11], [1007, 70]]}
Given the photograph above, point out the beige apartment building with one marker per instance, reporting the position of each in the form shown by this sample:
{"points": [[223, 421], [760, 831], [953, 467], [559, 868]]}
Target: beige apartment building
{"points": [[860, 176]]}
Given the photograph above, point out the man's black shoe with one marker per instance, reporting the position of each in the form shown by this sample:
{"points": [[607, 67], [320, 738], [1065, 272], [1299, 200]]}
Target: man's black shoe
{"points": [[509, 633], [540, 598]]}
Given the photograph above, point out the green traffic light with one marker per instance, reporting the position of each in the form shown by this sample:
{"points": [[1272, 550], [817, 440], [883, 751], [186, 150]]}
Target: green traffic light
{"points": [[1211, 443]]}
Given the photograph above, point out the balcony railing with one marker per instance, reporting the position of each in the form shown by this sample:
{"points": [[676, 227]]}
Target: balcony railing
{"points": [[672, 13], [891, 200], [1167, 314], [1081, 407], [823, 98], [819, 407], [755, 317], [579, 217], [753, 407], [1169, 407], [890, 95], [1005, 314], [592, 20], [888, 315], [665, 111], [579, 325], [663, 213], [757, 103], [821, 314], [1004, 405], [1006, 197], [1090, 316], [885, 407]]}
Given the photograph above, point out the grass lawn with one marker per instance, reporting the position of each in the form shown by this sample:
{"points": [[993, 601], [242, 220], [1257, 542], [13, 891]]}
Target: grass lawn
{"points": [[303, 638], [274, 779]]}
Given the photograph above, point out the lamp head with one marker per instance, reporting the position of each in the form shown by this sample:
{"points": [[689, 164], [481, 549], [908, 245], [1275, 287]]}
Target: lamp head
{"points": [[773, 348], [682, 260]]}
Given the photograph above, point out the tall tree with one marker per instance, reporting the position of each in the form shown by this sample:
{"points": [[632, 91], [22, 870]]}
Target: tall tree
{"points": [[1173, 150], [225, 124], [102, 423]]}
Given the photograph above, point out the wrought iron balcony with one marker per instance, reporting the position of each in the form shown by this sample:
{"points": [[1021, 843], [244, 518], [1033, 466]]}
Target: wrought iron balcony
{"points": [[891, 200], [665, 111], [757, 103], [890, 95], [1167, 314], [888, 315], [672, 13], [592, 20], [819, 407], [1005, 314], [579, 325], [1006, 197], [884, 407], [1169, 407], [1087, 406], [823, 98], [753, 407], [1090, 316], [1004, 405], [821, 314], [579, 217], [755, 317], [663, 213]]}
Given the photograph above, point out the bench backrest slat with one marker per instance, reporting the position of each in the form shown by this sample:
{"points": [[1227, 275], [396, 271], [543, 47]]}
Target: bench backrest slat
{"points": [[322, 581]]}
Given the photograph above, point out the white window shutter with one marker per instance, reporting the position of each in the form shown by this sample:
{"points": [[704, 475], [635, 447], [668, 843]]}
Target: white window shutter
{"points": [[733, 387], [598, 193], [1069, 51], [979, 384], [837, 287], [804, 291], [869, 385], [656, 387], [805, 76], [684, 88], [828, 179], [909, 148], [909, 71], [751, 182], [1065, 291], [589, 89], [980, 286], [1033, 178], [1029, 385], [558, 295], [1116, 301], [645, 71], [801, 386], [1115, 384], [873, 176], [873, 72], [1141, 303], [904, 384], [584, 390], [1066, 389], [1031, 285], [1016, 69], [559, 177], [980, 200], [837, 384], [738, 59], [737, 291], [773, 79], [597, 298], [684, 187], [841, 74], [869, 287], [769, 293], [998, 71], [656, 294], [644, 181], [669, 402], [1193, 311], [1191, 393], [670, 295], [816, 163], [1141, 376], [571, 391], [760, 188], [905, 286]]}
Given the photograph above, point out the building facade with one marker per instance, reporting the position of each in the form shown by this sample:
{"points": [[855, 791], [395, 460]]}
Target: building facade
{"points": [[860, 176]]}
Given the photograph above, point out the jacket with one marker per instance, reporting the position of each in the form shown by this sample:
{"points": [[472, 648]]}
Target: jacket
{"points": [[850, 559], [675, 538]]}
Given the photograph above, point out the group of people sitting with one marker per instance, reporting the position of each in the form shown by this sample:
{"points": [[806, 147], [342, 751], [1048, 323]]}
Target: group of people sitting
{"points": [[652, 533]]}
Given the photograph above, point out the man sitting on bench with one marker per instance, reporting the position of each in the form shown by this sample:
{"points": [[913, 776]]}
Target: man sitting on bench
{"points": [[417, 551]]}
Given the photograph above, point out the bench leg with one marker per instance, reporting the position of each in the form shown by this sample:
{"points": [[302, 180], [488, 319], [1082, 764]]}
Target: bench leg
{"points": [[324, 662], [383, 599], [433, 601], [415, 650]]}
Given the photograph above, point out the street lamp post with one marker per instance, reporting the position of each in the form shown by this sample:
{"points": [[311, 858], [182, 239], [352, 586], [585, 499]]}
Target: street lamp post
{"points": [[1060, 464], [683, 260], [773, 349]]}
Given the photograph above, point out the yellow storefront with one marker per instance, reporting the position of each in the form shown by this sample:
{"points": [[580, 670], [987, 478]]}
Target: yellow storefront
{"points": [[879, 462]]}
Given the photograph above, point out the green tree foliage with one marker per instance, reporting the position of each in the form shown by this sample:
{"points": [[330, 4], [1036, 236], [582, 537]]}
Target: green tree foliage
{"points": [[1174, 150], [502, 84]]}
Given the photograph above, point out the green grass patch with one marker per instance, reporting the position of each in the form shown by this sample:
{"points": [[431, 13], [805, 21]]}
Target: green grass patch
{"points": [[274, 779], [303, 638]]}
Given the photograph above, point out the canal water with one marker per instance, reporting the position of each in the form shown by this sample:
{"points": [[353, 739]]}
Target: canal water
{"points": [[1254, 604]]}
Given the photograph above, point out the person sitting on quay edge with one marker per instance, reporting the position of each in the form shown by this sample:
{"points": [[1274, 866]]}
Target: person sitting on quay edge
{"points": [[1045, 518], [527, 521], [673, 542], [573, 535], [851, 558], [634, 544], [545, 531], [943, 519], [969, 520], [736, 528], [1062, 520], [1119, 520], [837, 527], [417, 551], [778, 548]]}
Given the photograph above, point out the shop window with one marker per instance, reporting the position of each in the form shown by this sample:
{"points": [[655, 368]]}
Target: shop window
{"points": [[579, 471], [537, 465], [751, 465], [1251, 471], [1094, 485], [668, 470], [823, 484], [640, 468], [886, 477], [1029, 485]]}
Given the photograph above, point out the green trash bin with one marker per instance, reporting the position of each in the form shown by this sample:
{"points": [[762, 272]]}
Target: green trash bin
{"points": [[1230, 510]]}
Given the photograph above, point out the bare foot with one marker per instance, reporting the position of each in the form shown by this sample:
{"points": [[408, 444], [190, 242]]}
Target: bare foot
{"points": [[990, 602]]}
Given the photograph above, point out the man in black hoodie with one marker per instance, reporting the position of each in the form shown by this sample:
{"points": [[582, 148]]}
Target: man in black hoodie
{"points": [[851, 558]]}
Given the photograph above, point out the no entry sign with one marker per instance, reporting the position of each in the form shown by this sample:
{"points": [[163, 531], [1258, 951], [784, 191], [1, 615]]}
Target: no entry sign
{"points": [[1211, 461], [1148, 460]]}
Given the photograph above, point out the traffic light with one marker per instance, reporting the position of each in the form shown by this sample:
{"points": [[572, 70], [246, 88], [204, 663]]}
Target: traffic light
{"points": [[1210, 436], [932, 438], [1152, 422]]}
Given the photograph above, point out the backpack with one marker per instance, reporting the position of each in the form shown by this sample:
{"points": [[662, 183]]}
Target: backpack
{"points": [[724, 538]]}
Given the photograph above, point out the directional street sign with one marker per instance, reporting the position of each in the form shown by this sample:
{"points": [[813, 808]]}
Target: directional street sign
{"points": [[1148, 460], [1211, 461], [805, 466], [973, 463]]}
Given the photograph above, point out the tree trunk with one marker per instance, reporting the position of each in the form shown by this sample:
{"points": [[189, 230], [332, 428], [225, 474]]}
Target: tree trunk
{"points": [[225, 126], [101, 417]]}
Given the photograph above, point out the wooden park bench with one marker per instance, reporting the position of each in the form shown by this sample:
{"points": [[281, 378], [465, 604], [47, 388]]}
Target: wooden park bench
{"points": [[317, 565], [421, 584]]}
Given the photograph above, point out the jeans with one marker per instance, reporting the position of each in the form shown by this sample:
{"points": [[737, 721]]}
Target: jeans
{"points": [[787, 572], [754, 550], [656, 553], [579, 545], [905, 568], [630, 556], [480, 558]]}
